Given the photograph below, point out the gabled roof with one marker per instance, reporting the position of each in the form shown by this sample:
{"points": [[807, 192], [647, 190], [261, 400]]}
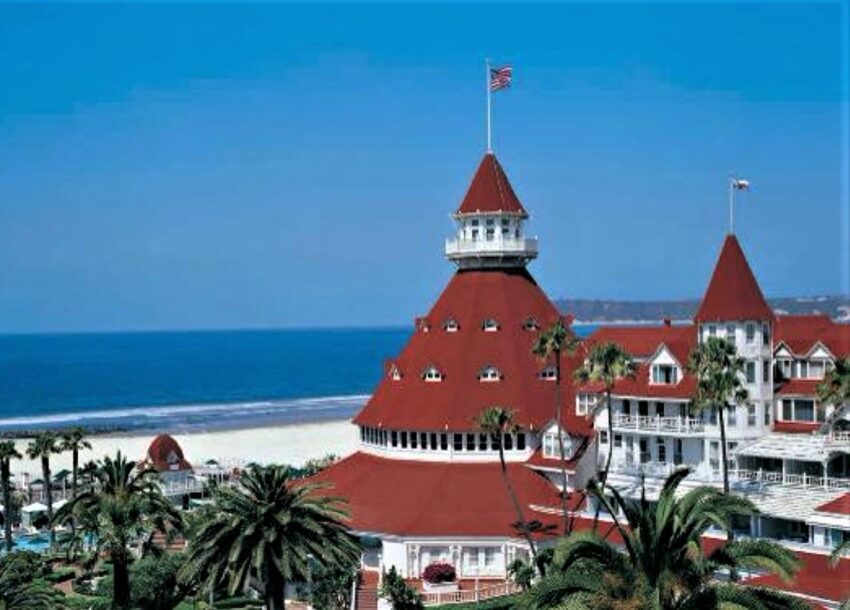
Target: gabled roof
{"points": [[165, 454], [798, 387], [438, 499], [802, 333], [490, 191], [838, 506], [733, 293], [508, 296]]}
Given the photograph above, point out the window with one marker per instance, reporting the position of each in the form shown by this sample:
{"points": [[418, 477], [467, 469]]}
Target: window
{"points": [[730, 455], [714, 455], [627, 406], [490, 233], [585, 404], [751, 415], [394, 438], [530, 324], [489, 373], [730, 333], [803, 369], [494, 442], [804, 410], [603, 437], [404, 440], [520, 441], [677, 451], [767, 407], [490, 325], [751, 332], [765, 333], [433, 441], [395, 373], [423, 439], [732, 416], [751, 372], [665, 373], [470, 442], [787, 410], [457, 442], [551, 447], [489, 557], [451, 325], [474, 234], [482, 442], [630, 450], [659, 409], [618, 440], [816, 369], [712, 330], [508, 439], [432, 374], [444, 441], [414, 438], [786, 368], [549, 373], [661, 450], [765, 371], [644, 451], [643, 408]]}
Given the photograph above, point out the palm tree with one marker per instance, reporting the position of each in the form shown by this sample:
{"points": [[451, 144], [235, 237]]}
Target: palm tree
{"points": [[719, 371], [41, 448], [838, 551], [606, 363], [554, 341], [661, 566], [497, 422], [267, 529], [8, 452], [835, 390], [22, 583], [74, 441], [122, 506]]}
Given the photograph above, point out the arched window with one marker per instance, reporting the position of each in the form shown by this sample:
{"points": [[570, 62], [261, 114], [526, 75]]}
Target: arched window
{"points": [[490, 325], [549, 373], [451, 325], [432, 373], [530, 324], [489, 373]]}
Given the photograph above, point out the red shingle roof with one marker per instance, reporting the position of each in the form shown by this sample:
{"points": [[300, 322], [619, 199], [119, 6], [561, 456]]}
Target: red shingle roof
{"points": [[733, 293], [795, 427], [490, 191], [417, 498], [838, 506], [816, 578], [800, 333], [798, 387], [508, 296]]}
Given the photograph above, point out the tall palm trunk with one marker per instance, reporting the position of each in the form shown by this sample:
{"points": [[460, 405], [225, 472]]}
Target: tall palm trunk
{"points": [[45, 474], [517, 507], [564, 506], [5, 475], [724, 463], [610, 433], [120, 580], [274, 590], [75, 465]]}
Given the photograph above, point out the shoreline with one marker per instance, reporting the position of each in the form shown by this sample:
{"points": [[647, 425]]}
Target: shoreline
{"points": [[291, 443]]}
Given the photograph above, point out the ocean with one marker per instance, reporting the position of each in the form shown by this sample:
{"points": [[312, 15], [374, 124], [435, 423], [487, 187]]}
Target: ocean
{"points": [[188, 381]]}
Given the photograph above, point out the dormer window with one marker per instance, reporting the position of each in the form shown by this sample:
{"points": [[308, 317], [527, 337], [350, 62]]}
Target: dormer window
{"points": [[451, 325], [665, 374], [394, 373], [490, 325], [530, 324], [432, 374], [489, 373], [548, 374], [422, 325]]}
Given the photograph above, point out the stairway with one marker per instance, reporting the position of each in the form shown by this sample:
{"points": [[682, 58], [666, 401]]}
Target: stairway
{"points": [[367, 590]]}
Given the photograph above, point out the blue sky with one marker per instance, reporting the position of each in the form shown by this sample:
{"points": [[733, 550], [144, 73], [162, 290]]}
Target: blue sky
{"points": [[224, 166]]}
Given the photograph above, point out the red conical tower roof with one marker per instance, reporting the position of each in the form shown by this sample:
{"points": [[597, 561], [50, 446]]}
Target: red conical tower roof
{"points": [[733, 293], [490, 191]]}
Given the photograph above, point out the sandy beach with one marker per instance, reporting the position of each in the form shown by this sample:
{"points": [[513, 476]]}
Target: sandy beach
{"points": [[291, 444]]}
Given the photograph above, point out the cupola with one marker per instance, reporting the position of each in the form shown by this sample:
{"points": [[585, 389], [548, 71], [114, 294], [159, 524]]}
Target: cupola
{"points": [[490, 223]]}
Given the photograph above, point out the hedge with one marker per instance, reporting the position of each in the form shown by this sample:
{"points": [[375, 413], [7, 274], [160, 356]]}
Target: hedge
{"points": [[498, 603]]}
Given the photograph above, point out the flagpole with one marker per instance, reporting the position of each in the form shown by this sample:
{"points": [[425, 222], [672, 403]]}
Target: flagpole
{"points": [[487, 85], [731, 205]]}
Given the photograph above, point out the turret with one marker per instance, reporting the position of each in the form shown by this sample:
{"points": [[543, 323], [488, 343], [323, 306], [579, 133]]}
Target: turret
{"points": [[490, 223]]}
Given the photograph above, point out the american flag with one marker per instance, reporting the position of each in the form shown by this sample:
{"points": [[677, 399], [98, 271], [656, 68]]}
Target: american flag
{"points": [[500, 78]]}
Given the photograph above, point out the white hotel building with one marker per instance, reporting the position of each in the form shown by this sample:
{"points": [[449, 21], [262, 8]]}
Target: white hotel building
{"points": [[425, 485]]}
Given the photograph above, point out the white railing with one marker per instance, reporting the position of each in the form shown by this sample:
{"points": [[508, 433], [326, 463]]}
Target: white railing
{"points": [[681, 425], [840, 438], [173, 488], [498, 245], [790, 479], [431, 598]]}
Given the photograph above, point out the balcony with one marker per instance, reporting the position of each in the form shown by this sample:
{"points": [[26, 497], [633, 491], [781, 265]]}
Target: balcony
{"points": [[658, 425], [523, 247], [764, 477]]}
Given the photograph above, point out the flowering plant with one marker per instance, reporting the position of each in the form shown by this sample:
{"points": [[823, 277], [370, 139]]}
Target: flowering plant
{"points": [[439, 572]]}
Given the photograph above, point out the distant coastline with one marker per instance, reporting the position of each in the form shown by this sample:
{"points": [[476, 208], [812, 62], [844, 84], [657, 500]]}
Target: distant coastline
{"points": [[610, 311]]}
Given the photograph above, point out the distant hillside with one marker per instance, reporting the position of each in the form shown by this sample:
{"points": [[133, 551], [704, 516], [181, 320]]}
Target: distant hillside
{"points": [[600, 310]]}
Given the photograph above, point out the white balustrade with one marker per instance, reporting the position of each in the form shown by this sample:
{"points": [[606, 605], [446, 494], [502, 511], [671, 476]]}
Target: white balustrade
{"points": [[681, 425], [497, 245], [430, 598]]}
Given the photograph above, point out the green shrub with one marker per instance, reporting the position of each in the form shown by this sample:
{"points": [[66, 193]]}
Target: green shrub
{"points": [[61, 575], [401, 595], [499, 603], [238, 602]]}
